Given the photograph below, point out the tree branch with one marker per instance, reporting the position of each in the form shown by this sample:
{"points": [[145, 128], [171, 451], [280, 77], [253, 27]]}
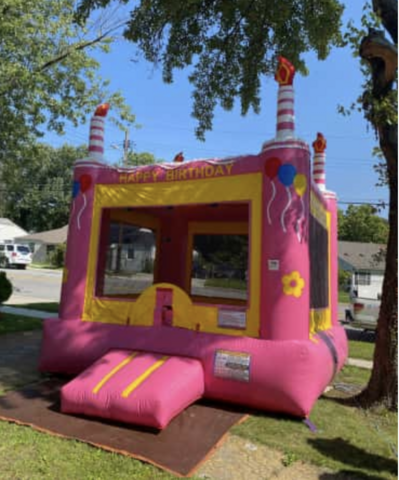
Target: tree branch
{"points": [[383, 58], [387, 10], [76, 47]]}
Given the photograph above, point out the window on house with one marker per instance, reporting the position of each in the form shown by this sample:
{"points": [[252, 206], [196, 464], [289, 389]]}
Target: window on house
{"points": [[363, 278]]}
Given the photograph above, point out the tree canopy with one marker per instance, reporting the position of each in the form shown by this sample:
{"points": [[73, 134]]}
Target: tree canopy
{"points": [[38, 187], [361, 224], [134, 159], [47, 70], [228, 44]]}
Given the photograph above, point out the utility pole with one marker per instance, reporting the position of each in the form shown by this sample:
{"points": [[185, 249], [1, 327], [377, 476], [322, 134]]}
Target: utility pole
{"points": [[126, 146]]}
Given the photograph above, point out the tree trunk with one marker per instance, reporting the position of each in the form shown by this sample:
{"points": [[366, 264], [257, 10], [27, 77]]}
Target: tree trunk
{"points": [[383, 385]]}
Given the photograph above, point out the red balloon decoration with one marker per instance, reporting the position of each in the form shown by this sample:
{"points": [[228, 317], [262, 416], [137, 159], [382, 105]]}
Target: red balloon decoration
{"points": [[272, 166], [85, 182]]}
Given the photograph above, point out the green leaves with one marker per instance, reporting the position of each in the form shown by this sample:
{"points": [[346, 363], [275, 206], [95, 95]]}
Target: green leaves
{"points": [[228, 45], [37, 186], [47, 72], [361, 224]]}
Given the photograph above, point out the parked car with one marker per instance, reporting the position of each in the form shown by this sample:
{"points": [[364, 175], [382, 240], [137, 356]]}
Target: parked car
{"points": [[363, 312], [14, 254]]}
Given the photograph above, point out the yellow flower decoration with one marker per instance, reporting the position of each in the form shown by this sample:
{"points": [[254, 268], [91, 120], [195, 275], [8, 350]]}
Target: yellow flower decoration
{"points": [[293, 284]]}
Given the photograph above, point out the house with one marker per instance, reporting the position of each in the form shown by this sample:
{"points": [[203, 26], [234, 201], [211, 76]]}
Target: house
{"points": [[366, 262], [9, 230], [130, 249], [43, 243]]}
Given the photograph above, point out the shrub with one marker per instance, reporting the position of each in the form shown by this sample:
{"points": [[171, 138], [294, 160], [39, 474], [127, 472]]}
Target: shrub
{"points": [[57, 256], [5, 288], [343, 279]]}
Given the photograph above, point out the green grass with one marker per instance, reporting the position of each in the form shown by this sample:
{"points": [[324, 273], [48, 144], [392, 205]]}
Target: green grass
{"points": [[16, 323], [51, 307], [46, 266], [362, 350], [28, 454], [226, 283], [343, 297], [348, 439]]}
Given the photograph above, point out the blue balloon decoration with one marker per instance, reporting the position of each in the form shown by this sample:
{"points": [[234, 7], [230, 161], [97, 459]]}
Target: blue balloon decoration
{"points": [[286, 174], [75, 189]]}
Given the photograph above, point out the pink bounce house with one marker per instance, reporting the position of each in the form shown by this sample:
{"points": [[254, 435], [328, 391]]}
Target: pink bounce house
{"points": [[208, 279]]}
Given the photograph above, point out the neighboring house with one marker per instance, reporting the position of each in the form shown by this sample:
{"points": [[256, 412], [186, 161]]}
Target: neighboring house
{"points": [[366, 262], [9, 230], [43, 243], [135, 253]]}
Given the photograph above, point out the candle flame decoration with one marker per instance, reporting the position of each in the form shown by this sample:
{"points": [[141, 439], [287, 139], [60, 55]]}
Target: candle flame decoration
{"points": [[320, 144], [102, 110], [319, 161], [285, 72]]}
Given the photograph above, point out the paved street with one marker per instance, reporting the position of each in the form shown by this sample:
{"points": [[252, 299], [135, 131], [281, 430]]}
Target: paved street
{"points": [[32, 286]]}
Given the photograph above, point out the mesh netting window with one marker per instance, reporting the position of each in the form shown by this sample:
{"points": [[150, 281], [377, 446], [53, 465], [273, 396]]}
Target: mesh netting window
{"points": [[220, 266], [318, 250], [127, 255]]}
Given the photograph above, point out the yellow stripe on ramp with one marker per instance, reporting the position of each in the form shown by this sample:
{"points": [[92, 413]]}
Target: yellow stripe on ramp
{"points": [[128, 390], [114, 371]]}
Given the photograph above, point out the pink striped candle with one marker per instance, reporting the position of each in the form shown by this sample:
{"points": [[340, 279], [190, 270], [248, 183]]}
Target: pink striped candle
{"points": [[96, 139], [319, 161], [285, 102]]}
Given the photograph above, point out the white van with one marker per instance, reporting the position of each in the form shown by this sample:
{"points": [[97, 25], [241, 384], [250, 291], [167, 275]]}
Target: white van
{"points": [[365, 292], [14, 254]]}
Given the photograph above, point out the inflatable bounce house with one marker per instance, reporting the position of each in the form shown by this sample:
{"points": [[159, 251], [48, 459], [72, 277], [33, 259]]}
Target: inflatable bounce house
{"points": [[208, 278]]}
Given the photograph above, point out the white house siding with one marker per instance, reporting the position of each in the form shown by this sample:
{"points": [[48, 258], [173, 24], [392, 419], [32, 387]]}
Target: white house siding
{"points": [[373, 281], [8, 230]]}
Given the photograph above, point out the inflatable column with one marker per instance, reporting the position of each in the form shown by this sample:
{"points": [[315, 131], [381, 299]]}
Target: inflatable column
{"points": [[285, 266], [86, 172], [319, 178]]}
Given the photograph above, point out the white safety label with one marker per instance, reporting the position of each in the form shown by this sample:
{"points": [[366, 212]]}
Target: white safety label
{"points": [[232, 365]]}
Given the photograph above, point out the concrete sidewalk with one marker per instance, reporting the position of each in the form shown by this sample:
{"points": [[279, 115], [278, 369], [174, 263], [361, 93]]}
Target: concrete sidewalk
{"points": [[357, 362], [27, 312]]}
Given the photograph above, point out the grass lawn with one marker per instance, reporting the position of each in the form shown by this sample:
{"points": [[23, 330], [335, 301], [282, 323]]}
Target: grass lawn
{"points": [[363, 350], [351, 440], [44, 307], [45, 266], [28, 454], [343, 297], [16, 323], [226, 283]]}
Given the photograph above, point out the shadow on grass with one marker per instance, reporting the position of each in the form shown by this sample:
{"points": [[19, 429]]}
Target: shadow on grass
{"points": [[343, 451], [360, 335], [349, 474]]}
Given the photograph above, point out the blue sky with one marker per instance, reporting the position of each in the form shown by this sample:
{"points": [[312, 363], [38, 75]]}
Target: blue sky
{"points": [[164, 111]]}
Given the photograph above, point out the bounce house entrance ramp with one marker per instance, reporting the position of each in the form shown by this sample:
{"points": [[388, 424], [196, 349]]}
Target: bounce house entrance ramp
{"points": [[135, 387]]}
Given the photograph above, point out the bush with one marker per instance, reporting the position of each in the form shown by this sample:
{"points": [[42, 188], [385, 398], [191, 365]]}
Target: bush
{"points": [[343, 279], [5, 288], [57, 256]]}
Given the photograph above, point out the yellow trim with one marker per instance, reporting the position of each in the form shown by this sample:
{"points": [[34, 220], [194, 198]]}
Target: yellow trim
{"points": [[317, 210], [113, 372], [240, 188], [134, 218], [129, 389], [320, 318]]}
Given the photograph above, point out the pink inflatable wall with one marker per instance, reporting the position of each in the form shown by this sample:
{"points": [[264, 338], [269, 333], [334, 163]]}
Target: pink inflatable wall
{"points": [[287, 343]]}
